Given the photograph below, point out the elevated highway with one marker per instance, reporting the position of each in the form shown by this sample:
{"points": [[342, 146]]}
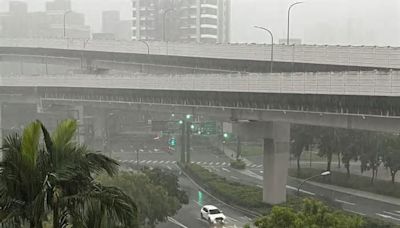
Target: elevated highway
{"points": [[135, 55], [259, 105]]}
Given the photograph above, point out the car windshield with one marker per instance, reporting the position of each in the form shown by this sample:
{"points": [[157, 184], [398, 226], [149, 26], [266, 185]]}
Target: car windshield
{"points": [[214, 211]]}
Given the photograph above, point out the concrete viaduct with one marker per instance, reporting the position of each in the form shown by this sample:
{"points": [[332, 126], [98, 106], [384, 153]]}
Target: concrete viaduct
{"points": [[159, 57], [258, 105]]}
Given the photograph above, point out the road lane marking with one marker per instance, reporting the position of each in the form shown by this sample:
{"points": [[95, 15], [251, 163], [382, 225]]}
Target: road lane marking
{"points": [[390, 213], [142, 161], [148, 162], [344, 202], [233, 177], [204, 163], [355, 212], [226, 170], [230, 218], [161, 162], [301, 190], [211, 163], [176, 222], [154, 162], [169, 167], [132, 161], [167, 162], [259, 186], [387, 216], [198, 163], [217, 163]]}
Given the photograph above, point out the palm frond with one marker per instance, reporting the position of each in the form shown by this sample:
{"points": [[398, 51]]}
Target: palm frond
{"points": [[64, 133], [30, 143]]}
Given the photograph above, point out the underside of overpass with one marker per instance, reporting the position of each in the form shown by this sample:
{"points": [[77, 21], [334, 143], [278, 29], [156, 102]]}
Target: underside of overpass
{"points": [[100, 61]]}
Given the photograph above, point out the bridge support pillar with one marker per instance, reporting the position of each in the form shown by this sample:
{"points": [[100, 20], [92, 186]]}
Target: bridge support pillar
{"points": [[1, 125], [276, 147]]}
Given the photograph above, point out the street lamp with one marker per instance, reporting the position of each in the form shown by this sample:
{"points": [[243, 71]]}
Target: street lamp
{"points": [[147, 45], [288, 21], [164, 21], [272, 45], [65, 15], [323, 174]]}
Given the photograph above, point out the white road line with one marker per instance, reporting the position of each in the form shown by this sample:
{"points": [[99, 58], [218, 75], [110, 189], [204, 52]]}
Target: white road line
{"points": [[211, 163], [261, 171], [169, 167], [387, 216], [197, 203], [204, 163], [355, 212], [224, 163], [125, 161], [259, 166], [148, 162], [173, 162], [167, 162], [217, 163], [198, 163], [176, 222], [230, 218], [259, 186], [344, 202], [226, 170], [161, 162], [233, 177], [390, 213], [143, 161], [154, 162], [132, 161], [301, 190], [398, 212]]}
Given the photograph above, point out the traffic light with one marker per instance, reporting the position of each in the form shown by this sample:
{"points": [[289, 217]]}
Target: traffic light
{"points": [[226, 135], [172, 142]]}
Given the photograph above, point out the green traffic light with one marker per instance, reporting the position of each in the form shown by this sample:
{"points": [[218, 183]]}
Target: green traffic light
{"points": [[188, 116], [192, 127], [180, 122], [226, 135]]}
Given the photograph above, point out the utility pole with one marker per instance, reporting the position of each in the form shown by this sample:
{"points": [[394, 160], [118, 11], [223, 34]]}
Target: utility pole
{"points": [[183, 144], [188, 133]]}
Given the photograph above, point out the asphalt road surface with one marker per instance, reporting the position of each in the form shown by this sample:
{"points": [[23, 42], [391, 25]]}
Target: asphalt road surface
{"points": [[219, 163]]}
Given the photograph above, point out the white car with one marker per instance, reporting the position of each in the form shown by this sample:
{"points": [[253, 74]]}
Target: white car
{"points": [[212, 214]]}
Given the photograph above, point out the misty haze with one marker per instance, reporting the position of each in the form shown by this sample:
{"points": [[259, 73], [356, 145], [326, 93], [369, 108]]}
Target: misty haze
{"points": [[199, 113]]}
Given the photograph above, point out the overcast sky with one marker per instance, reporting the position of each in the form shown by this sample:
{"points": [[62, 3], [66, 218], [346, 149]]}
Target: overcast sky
{"points": [[357, 22]]}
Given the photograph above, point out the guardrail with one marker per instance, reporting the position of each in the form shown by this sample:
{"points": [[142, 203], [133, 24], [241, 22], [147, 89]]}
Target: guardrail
{"points": [[345, 83], [364, 56]]}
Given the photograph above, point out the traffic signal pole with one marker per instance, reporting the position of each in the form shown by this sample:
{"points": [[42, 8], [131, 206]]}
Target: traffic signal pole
{"points": [[188, 131], [183, 144]]}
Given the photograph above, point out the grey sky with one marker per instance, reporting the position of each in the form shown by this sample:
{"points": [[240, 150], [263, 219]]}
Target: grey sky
{"points": [[357, 22]]}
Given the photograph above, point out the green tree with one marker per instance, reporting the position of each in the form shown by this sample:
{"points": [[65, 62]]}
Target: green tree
{"points": [[328, 144], [391, 158], [151, 195], [371, 153], [55, 179], [302, 139], [312, 214]]}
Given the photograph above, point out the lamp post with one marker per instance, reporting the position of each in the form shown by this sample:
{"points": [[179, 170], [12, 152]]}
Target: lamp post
{"points": [[288, 21], [164, 22], [323, 174], [272, 45], [147, 45], [65, 15]]}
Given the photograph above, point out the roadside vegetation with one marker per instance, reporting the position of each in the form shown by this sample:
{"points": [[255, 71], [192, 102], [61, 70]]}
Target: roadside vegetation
{"points": [[49, 180], [238, 164], [297, 212], [155, 192]]}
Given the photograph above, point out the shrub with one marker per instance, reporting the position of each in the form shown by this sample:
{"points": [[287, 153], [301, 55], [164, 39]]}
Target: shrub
{"points": [[238, 164]]}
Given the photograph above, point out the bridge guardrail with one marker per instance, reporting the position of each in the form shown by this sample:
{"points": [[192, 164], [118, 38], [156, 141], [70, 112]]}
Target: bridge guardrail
{"points": [[366, 56], [345, 83]]}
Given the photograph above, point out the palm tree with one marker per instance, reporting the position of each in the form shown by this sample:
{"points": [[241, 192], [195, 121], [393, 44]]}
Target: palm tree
{"points": [[57, 178]]}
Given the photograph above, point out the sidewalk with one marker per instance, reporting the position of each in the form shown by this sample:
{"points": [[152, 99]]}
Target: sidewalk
{"points": [[372, 196]]}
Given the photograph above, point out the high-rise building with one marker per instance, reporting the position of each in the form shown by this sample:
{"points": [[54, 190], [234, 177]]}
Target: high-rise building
{"points": [[18, 22], [110, 20], [58, 5], [185, 20]]}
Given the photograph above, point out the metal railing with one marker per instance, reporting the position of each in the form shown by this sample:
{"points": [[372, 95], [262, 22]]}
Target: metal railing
{"points": [[345, 83], [364, 56]]}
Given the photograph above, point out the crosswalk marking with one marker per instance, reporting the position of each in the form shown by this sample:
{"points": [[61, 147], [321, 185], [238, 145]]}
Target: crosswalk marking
{"points": [[217, 163], [142, 161], [161, 162], [223, 163], [148, 162], [198, 163]]}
